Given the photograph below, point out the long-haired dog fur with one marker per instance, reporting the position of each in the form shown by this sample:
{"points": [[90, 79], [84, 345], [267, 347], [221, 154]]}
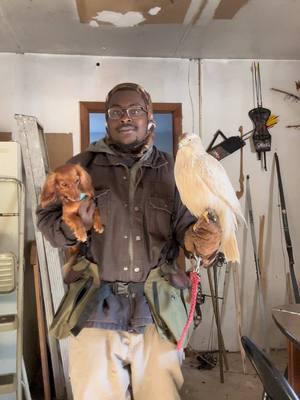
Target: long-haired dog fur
{"points": [[72, 185]]}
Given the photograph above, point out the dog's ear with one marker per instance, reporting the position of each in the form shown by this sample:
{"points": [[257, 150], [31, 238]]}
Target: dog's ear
{"points": [[49, 193], [85, 181]]}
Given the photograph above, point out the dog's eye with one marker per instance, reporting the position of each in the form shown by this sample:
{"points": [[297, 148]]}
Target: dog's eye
{"points": [[77, 181], [63, 184]]}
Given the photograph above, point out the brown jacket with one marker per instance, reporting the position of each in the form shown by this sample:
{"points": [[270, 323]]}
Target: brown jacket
{"points": [[144, 221], [140, 209]]}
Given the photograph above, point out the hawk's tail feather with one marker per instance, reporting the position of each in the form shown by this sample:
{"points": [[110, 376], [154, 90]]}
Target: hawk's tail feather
{"points": [[228, 223], [231, 250]]}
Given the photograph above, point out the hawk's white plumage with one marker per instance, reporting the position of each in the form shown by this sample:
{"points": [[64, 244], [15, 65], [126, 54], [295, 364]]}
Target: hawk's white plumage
{"points": [[203, 184]]}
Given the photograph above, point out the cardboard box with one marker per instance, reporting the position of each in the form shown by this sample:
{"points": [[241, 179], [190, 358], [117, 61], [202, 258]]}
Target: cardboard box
{"points": [[60, 148]]}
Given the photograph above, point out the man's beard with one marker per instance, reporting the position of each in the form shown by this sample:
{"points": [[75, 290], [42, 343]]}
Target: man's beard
{"points": [[135, 147]]}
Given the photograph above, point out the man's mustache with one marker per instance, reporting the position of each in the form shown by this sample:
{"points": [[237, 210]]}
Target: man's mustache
{"points": [[126, 126]]}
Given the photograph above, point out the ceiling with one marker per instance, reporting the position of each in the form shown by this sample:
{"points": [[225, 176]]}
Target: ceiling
{"points": [[268, 29]]}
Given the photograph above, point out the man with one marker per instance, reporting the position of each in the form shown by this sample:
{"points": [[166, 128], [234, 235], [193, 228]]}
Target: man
{"points": [[118, 349]]}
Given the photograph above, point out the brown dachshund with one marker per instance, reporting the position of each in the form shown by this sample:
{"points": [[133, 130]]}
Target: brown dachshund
{"points": [[72, 185]]}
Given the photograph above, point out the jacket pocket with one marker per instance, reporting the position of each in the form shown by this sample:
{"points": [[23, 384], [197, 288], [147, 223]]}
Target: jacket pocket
{"points": [[169, 307], [159, 213], [103, 198], [70, 307]]}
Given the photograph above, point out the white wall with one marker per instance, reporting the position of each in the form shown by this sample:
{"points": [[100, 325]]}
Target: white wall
{"points": [[50, 87], [227, 96]]}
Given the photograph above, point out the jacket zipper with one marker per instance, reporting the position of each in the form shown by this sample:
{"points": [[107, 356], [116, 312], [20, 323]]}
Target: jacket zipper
{"points": [[132, 175], [133, 182], [132, 187]]}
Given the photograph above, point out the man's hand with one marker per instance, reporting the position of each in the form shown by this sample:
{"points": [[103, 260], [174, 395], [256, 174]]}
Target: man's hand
{"points": [[86, 213], [203, 239]]}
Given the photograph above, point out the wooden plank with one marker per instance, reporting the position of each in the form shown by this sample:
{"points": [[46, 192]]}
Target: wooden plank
{"points": [[59, 148], [237, 297], [41, 322], [261, 244]]}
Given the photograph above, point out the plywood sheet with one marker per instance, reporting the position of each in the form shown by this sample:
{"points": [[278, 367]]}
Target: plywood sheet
{"points": [[228, 8], [170, 12], [5, 136], [60, 148]]}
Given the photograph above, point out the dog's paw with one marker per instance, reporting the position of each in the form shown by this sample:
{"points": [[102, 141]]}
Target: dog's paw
{"points": [[99, 228], [81, 235]]}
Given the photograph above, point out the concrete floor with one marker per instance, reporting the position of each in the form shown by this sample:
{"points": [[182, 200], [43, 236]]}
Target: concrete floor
{"points": [[203, 384]]}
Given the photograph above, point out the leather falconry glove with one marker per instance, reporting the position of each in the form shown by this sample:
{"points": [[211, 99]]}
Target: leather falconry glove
{"points": [[204, 238]]}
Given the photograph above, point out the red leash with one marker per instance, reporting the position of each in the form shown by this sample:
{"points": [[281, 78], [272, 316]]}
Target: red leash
{"points": [[195, 279]]}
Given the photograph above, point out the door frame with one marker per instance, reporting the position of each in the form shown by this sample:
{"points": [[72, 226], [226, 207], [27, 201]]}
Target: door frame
{"points": [[87, 107]]}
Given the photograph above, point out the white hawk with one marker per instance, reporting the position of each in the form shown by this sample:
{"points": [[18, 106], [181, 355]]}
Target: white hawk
{"points": [[203, 185]]}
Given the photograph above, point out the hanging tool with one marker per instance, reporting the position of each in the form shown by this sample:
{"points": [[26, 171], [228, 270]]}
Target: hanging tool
{"points": [[261, 243], [233, 266], [257, 266], [233, 143], [288, 95], [225, 289], [240, 192], [213, 285], [261, 136], [236, 285], [271, 122], [287, 236], [236, 281], [293, 126], [228, 146]]}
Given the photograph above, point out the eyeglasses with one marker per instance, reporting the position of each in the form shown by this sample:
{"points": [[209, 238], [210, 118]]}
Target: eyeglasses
{"points": [[132, 112]]}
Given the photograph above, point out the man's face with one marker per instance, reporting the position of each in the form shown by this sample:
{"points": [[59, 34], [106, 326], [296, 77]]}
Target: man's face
{"points": [[127, 129]]}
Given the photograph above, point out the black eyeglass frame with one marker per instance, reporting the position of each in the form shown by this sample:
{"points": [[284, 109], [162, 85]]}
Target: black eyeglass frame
{"points": [[126, 110]]}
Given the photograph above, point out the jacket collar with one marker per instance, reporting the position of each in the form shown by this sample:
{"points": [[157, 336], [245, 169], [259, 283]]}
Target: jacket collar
{"points": [[153, 158]]}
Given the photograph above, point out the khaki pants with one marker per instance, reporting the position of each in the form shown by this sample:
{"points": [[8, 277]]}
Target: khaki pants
{"points": [[104, 362]]}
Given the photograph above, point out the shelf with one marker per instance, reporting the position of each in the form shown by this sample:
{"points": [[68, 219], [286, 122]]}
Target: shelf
{"points": [[8, 383], [8, 322]]}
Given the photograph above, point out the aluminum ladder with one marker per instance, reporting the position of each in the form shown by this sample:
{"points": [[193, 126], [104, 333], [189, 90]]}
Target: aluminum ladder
{"points": [[29, 134]]}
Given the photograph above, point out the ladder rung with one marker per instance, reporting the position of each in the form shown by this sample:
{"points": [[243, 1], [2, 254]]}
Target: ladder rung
{"points": [[8, 214], [8, 322], [8, 383]]}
